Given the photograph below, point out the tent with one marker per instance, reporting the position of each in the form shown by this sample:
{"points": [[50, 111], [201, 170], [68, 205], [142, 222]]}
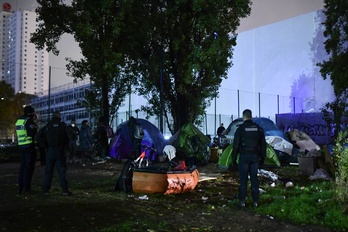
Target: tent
{"points": [[225, 159], [189, 141], [121, 146], [270, 129], [280, 144]]}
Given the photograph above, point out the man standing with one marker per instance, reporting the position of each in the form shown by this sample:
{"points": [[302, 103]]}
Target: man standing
{"points": [[57, 138], [220, 130], [26, 129], [74, 130], [136, 135], [102, 138], [249, 142], [86, 141]]}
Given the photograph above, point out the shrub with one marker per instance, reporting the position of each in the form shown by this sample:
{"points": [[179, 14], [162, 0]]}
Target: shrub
{"points": [[340, 152]]}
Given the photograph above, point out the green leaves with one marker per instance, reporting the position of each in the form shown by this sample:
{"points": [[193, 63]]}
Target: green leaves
{"points": [[11, 107], [336, 31], [186, 44]]}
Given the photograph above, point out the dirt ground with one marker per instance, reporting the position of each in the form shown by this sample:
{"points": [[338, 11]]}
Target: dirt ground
{"points": [[95, 205]]}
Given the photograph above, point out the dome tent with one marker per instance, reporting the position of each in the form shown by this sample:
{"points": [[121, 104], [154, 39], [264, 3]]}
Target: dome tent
{"points": [[271, 130], [121, 145]]}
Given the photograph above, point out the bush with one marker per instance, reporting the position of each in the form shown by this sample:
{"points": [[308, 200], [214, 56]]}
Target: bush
{"points": [[341, 161]]}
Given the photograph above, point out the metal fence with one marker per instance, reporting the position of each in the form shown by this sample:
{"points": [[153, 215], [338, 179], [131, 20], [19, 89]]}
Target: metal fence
{"points": [[224, 109], [229, 107]]}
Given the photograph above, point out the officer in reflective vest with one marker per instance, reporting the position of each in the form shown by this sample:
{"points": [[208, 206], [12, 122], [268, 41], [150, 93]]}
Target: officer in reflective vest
{"points": [[249, 142], [26, 129]]}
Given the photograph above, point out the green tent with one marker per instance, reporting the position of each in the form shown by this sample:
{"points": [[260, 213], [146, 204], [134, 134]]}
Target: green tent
{"points": [[191, 142], [225, 159]]}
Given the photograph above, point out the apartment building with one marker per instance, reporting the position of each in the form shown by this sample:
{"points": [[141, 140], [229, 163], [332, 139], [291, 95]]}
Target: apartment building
{"points": [[3, 43], [23, 66]]}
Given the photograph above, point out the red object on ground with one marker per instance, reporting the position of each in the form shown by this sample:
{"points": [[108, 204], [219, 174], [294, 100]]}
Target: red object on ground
{"points": [[181, 166]]}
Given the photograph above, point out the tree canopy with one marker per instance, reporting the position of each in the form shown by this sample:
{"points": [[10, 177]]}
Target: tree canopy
{"points": [[187, 55], [11, 107], [97, 26], [335, 67], [180, 51], [336, 44]]}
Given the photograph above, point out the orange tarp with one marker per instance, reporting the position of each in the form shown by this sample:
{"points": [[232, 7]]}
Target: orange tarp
{"points": [[173, 182]]}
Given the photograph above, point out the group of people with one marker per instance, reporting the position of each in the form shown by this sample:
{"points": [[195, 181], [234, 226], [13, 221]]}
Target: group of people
{"points": [[56, 137], [57, 142]]}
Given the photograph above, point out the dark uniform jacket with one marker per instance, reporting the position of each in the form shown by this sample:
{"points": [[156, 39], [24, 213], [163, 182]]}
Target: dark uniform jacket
{"points": [[57, 134], [249, 139]]}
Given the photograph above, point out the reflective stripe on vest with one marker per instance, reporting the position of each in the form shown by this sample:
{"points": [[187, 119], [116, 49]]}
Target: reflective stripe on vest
{"points": [[23, 138]]}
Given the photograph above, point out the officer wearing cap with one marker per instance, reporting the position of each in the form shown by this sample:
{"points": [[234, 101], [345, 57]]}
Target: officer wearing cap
{"points": [[26, 129], [249, 142]]}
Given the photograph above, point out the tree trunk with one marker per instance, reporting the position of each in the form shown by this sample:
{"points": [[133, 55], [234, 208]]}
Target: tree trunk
{"points": [[105, 98]]}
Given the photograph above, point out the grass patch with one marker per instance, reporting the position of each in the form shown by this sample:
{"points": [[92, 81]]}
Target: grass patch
{"points": [[9, 154], [141, 226], [308, 205]]}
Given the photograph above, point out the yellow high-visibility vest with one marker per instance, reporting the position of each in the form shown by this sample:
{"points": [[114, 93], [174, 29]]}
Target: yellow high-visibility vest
{"points": [[22, 136]]}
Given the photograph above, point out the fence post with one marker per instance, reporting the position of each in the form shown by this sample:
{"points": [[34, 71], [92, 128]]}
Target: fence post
{"points": [[259, 104], [238, 103]]}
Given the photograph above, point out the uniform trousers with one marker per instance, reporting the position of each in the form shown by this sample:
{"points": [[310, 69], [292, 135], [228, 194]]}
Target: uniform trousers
{"points": [[27, 166], [55, 157], [248, 165]]}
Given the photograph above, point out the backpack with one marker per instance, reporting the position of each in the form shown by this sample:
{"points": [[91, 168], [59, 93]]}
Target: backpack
{"points": [[138, 132]]}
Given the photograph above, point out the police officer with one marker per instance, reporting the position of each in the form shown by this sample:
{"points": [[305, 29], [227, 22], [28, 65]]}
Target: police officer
{"points": [[26, 129], [249, 142], [57, 138]]}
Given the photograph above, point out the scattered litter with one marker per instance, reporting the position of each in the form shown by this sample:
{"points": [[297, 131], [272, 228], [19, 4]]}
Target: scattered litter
{"points": [[273, 184], [145, 197], [320, 174], [289, 184], [270, 217], [205, 198], [268, 174]]}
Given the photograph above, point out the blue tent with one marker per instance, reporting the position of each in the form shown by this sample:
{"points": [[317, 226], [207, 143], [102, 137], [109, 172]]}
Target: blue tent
{"points": [[121, 146], [269, 127]]}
